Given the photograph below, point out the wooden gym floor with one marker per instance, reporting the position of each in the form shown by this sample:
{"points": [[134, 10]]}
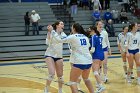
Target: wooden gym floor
{"points": [[28, 76]]}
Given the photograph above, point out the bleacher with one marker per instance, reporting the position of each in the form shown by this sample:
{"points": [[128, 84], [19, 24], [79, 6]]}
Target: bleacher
{"points": [[15, 45]]}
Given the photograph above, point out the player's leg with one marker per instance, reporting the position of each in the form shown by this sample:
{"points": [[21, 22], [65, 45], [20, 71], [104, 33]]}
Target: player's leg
{"points": [[130, 62], [137, 58], [123, 54], [105, 66], [74, 77], [59, 72], [85, 76], [51, 70]]}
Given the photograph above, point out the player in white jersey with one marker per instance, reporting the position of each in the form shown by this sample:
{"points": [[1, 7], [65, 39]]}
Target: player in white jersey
{"points": [[53, 56], [132, 47], [81, 57], [71, 63], [105, 46], [121, 41]]}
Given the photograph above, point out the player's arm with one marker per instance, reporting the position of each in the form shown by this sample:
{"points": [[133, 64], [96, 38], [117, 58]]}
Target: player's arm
{"points": [[118, 43], [92, 43], [126, 45], [48, 39], [108, 43]]}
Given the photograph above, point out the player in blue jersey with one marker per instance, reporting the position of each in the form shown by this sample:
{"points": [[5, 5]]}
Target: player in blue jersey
{"points": [[97, 55], [105, 46], [81, 57]]}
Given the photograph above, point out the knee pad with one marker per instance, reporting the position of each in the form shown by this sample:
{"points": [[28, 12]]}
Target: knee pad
{"points": [[71, 83], [138, 69], [60, 79], [124, 64], [105, 66], [50, 77], [95, 73]]}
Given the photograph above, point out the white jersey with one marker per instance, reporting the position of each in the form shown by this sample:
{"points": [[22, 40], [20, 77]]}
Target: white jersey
{"points": [[121, 39], [54, 48], [105, 41], [80, 48], [133, 41]]}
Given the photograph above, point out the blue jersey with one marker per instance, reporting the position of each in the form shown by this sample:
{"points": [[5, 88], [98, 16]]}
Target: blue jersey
{"points": [[96, 42]]}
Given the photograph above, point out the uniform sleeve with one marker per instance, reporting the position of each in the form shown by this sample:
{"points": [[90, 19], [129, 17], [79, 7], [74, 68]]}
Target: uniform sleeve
{"points": [[92, 41], [107, 40], [63, 35], [127, 40], [118, 39], [63, 40]]}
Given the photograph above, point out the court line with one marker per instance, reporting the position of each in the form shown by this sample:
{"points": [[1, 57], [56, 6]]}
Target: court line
{"points": [[24, 63]]}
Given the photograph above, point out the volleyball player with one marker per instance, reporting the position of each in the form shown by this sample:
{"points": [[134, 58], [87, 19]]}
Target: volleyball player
{"points": [[132, 47], [71, 63], [121, 41], [105, 46], [97, 55], [81, 58], [53, 56]]}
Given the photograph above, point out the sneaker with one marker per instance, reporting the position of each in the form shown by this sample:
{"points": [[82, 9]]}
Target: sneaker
{"points": [[125, 76], [138, 81], [46, 90], [60, 91], [132, 76], [105, 79], [100, 89], [129, 79], [97, 85]]}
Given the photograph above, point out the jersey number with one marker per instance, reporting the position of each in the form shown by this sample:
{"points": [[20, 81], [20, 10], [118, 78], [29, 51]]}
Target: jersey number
{"points": [[83, 41], [135, 42]]}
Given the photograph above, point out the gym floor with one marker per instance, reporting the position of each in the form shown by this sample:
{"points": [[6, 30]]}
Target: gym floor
{"points": [[28, 76]]}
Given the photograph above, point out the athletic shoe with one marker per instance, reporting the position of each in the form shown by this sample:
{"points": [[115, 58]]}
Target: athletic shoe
{"points": [[60, 91], [138, 81], [100, 89], [105, 79], [46, 90], [129, 79], [97, 85], [132, 76]]}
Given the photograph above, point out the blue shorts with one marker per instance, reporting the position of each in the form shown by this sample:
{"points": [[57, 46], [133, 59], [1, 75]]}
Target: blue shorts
{"points": [[133, 51], [98, 55], [82, 66], [105, 49], [55, 59]]}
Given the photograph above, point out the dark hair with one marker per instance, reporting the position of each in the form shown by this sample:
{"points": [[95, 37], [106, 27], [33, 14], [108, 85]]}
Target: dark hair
{"points": [[55, 24], [131, 26], [27, 13], [79, 29], [124, 27], [95, 30]]}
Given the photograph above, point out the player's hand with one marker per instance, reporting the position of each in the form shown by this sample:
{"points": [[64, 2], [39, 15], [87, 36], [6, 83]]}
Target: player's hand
{"points": [[127, 54], [109, 52], [49, 28]]}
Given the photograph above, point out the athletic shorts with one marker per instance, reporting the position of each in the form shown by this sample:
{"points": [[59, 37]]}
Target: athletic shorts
{"points": [[133, 51], [105, 49], [82, 66], [55, 59]]}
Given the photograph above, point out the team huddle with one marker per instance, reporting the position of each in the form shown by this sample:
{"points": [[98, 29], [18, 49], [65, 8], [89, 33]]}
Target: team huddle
{"points": [[88, 53]]}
